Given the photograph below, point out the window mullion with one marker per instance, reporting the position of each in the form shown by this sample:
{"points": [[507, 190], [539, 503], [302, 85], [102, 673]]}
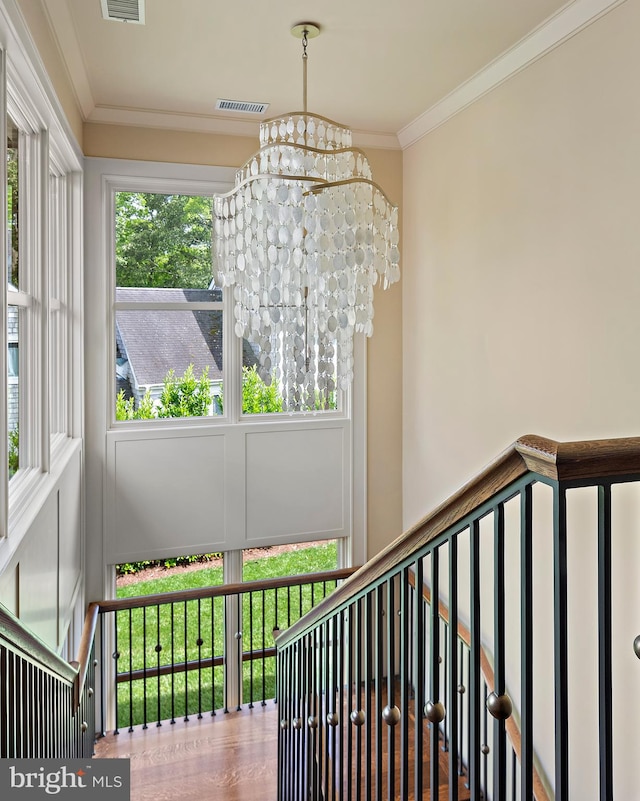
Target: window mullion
{"points": [[41, 223], [4, 471]]}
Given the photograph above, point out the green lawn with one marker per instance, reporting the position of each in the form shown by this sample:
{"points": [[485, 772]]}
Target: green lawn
{"points": [[193, 631]]}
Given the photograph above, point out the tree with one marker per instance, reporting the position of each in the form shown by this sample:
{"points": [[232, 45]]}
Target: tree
{"points": [[163, 240], [257, 397], [187, 396], [126, 407]]}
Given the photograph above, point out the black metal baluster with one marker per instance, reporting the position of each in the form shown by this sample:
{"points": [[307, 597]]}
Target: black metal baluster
{"points": [[499, 691], [199, 643], [453, 699], [144, 666], [103, 678], [116, 656], [288, 607], [334, 710], [561, 673], [461, 691], [326, 685], [434, 709], [526, 644], [378, 682], [186, 659], [391, 701], [213, 656], [405, 662], [341, 709], [475, 701], [349, 707], [444, 636], [368, 677], [173, 665], [264, 691], [359, 721], [484, 748], [240, 649], [158, 651], [418, 680], [605, 680], [250, 650]]}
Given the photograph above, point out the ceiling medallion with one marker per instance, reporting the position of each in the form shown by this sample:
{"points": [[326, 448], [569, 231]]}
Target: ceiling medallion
{"points": [[303, 238]]}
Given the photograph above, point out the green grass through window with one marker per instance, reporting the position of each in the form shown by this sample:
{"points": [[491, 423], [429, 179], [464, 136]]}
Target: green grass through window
{"points": [[193, 631]]}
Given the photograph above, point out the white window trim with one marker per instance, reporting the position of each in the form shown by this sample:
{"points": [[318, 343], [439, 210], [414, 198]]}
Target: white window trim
{"points": [[26, 95], [102, 177]]}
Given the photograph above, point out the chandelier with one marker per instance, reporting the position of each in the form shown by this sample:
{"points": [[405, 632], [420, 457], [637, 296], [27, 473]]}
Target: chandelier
{"points": [[303, 238]]}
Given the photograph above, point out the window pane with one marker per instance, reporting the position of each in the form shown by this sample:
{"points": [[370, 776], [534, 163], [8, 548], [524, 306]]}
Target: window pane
{"points": [[163, 240], [168, 363], [13, 387], [265, 386], [12, 204], [274, 561]]}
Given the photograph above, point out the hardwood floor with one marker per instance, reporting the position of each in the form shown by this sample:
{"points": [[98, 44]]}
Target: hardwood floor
{"points": [[231, 757]]}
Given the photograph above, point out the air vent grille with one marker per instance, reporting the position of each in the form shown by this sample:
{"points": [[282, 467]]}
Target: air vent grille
{"points": [[123, 10], [241, 106]]}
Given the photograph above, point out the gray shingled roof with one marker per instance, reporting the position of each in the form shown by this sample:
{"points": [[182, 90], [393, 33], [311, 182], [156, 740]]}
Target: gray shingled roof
{"points": [[156, 341]]}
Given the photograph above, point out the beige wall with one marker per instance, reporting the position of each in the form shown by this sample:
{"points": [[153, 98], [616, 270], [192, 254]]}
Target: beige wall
{"points": [[156, 144], [521, 297], [521, 253], [384, 349], [36, 20], [384, 385]]}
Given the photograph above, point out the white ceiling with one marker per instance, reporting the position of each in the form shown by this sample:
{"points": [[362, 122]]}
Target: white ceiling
{"points": [[376, 66]]}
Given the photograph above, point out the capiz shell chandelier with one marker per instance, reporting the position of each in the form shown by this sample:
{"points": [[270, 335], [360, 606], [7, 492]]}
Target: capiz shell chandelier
{"points": [[303, 238]]}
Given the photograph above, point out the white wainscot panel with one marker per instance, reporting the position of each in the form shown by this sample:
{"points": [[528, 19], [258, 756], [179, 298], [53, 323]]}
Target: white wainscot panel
{"points": [[70, 538], [38, 585], [296, 484], [168, 497]]}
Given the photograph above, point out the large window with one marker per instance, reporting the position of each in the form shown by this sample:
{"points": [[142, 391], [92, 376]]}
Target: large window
{"points": [[15, 299], [169, 326], [168, 320], [40, 193]]}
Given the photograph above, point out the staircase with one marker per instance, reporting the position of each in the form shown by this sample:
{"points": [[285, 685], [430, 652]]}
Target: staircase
{"points": [[469, 660]]}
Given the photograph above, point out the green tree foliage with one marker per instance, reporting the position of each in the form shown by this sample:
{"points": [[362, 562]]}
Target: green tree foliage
{"points": [[186, 396], [163, 240], [14, 451], [257, 397], [126, 407]]}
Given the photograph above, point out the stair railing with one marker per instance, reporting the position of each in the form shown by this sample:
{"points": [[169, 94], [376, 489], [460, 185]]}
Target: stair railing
{"points": [[47, 705], [370, 686], [174, 655]]}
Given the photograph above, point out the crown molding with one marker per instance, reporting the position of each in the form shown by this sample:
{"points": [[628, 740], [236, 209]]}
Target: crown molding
{"points": [[66, 40], [550, 34], [201, 123]]}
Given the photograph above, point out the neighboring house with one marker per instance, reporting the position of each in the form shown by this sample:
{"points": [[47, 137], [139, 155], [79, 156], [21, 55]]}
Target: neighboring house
{"points": [[151, 342]]}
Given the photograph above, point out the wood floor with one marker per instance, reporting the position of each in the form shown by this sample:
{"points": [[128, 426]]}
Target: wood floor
{"points": [[231, 757]]}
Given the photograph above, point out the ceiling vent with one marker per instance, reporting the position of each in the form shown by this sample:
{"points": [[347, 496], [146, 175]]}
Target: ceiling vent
{"points": [[123, 10], [241, 106]]}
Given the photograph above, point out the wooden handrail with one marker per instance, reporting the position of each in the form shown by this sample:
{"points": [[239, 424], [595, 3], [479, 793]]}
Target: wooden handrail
{"points": [[561, 461], [222, 590], [20, 640], [84, 652], [539, 790]]}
